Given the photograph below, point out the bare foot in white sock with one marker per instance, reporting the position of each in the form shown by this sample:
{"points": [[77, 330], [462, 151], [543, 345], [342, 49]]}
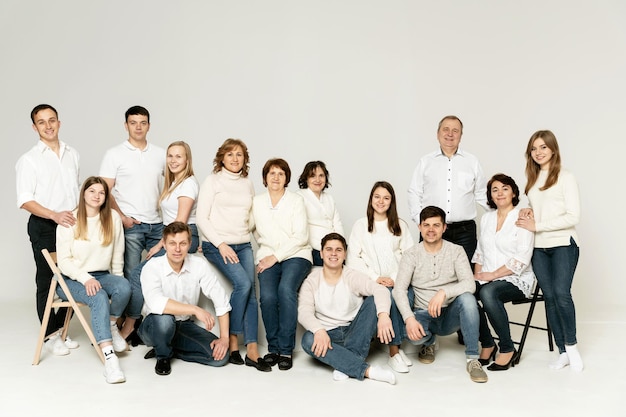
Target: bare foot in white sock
{"points": [[575, 360], [339, 376], [561, 362], [377, 373]]}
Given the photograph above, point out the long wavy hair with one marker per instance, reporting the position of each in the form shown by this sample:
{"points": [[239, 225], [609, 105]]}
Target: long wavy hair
{"points": [[393, 221], [170, 179], [533, 168], [106, 221]]}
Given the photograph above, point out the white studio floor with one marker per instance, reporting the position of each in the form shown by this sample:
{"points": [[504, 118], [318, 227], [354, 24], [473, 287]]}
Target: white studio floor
{"points": [[73, 385]]}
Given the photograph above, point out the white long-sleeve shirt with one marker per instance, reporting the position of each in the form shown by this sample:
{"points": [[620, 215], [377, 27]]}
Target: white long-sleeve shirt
{"points": [[77, 258], [160, 283], [453, 184], [322, 215]]}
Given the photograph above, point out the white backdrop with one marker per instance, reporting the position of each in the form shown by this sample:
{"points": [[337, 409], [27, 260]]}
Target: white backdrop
{"points": [[358, 84]]}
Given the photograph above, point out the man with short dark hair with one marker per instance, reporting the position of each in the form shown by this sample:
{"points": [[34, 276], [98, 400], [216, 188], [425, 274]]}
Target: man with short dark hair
{"points": [[48, 187], [442, 281], [171, 286]]}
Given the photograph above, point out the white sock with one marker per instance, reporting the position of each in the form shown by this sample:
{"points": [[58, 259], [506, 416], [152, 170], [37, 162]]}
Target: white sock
{"points": [[377, 373], [560, 363], [575, 360], [339, 376], [108, 351]]}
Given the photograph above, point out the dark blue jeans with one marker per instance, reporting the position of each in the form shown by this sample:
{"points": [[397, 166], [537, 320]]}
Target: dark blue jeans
{"points": [[279, 286], [42, 233], [493, 295], [554, 269], [184, 340], [138, 238], [351, 344]]}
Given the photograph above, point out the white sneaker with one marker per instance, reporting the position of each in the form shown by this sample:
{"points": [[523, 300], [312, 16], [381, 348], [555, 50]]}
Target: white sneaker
{"points": [[405, 358], [339, 376], [119, 344], [56, 346], [112, 371], [71, 344], [397, 364]]}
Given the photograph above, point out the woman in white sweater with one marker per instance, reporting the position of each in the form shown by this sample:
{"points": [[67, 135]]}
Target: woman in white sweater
{"points": [[91, 255], [224, 206], [554, 213], [321, 212], [375, 247], [283, 259]]}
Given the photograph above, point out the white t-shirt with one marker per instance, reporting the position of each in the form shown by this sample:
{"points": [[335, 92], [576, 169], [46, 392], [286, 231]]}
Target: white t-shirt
{"points": [[169, 205]]}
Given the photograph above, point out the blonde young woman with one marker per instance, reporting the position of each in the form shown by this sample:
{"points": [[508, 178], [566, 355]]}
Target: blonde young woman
{"points": [[376, 245], [177, 203], [224, 208], [555, 211], [91, 255]]}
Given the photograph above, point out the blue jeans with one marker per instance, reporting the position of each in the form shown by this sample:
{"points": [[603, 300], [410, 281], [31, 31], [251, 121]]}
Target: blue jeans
{"points": [[462, 314], [138, 238], [279, 302], [114, 287], [184, 340], [244, 316], [493, 296], [136, 298], [317, 258], [397, 321], [554, 269], [351, 343]]}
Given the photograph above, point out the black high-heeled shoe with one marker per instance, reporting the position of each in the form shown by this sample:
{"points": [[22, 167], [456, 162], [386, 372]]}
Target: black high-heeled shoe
{"points": [[510, 364], [491, 358]]}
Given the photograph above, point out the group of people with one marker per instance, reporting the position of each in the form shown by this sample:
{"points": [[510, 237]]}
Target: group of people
{"points": [[378, 282]]}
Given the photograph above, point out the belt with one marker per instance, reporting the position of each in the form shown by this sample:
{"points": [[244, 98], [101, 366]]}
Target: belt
{"points": [[461, 224]]}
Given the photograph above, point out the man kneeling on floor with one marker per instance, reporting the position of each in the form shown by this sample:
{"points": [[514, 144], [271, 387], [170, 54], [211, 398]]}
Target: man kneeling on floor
{"points": [[171, 287], [441, 278]]}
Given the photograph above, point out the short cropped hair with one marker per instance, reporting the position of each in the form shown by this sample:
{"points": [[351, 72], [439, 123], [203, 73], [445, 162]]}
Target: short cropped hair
{"points": [[175, 228], [432, 211], [41, 107], [142, 111], [449, 117], [335, 236], [278, 163]]}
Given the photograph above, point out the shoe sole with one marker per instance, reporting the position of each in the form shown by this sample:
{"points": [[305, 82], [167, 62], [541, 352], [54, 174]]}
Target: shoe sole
{"points": [[479, 380], [426, 360]]}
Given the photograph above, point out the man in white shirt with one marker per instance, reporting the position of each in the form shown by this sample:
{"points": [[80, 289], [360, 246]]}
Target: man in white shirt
{"points": [[47, 187], [171, 286], [133, 171], [453, 180]]}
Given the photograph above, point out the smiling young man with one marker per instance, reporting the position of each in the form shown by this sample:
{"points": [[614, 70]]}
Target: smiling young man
{"points": [[441, 278], [48, 187], [171, 286], [340, 323]]}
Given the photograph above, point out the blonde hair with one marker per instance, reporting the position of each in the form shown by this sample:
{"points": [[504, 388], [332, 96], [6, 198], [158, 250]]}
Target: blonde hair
{"points": [[106, 220], [170, 179], [533, 168]]}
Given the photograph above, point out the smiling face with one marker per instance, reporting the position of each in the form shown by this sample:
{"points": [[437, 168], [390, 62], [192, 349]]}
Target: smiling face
{"points": [[317, 181], [381, 200], [333, 254], [176, 248], [432, 229], [137, 126], [95, 196], [47, 125], [176, 159], [233, 160], [541, 154], [275, 179], [502, 195], [449, 136]]}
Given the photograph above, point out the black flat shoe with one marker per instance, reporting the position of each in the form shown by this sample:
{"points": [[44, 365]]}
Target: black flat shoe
{"points": [[491, 358], [150, 354], [271, 358], [260, 364], [163, 367], [511, 364], [235, 358], [285, 363]]}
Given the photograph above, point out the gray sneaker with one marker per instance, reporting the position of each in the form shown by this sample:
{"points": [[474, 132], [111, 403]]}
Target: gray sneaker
{"points": [[427, 354], [475, 369]]}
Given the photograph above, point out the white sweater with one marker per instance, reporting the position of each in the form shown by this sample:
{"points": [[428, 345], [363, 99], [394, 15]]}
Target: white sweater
{"points": [[76, 258], [322, 215]]}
